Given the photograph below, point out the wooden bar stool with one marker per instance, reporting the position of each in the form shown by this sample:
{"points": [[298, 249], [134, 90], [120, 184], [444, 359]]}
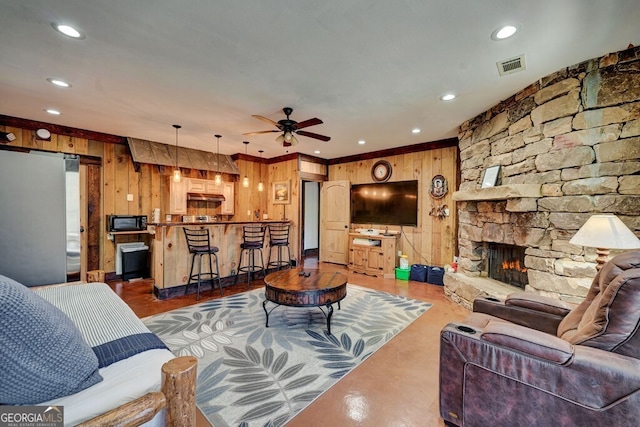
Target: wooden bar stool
{"points": [[199, 245], [279, 239], [252, 242]]}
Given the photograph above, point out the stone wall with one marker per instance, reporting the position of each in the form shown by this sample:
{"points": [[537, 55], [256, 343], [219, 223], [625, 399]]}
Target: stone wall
{"points": [[576, 133]]}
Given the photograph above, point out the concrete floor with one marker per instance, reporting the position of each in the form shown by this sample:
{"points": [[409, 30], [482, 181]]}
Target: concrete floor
{"points": [[397, 386]]}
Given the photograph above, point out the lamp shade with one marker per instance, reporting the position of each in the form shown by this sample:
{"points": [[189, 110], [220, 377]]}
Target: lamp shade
{"points": [[605, 231]]}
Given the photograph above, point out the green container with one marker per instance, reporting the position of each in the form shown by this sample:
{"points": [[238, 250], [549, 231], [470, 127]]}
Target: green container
{"points": [[402, 273]]}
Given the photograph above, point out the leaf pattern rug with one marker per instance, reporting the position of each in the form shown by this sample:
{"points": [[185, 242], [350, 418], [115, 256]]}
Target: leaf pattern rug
{"points": [[251, 375]]}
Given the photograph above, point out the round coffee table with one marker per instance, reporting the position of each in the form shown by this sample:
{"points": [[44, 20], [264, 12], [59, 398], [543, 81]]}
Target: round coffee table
{"points": [[300, 288]]}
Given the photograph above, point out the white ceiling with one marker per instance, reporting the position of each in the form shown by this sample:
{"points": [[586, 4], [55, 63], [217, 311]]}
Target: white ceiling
{"points": [[369, 69]]}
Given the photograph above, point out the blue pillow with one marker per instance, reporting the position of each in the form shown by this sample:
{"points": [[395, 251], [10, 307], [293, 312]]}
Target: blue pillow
{"points": [[43, 354]]}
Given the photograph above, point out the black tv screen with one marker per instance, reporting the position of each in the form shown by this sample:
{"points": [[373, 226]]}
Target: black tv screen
{"points": [[389, 203]]}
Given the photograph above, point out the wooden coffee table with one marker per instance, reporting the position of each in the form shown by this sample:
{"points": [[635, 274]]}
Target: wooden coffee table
{"points": [[305, 288]]}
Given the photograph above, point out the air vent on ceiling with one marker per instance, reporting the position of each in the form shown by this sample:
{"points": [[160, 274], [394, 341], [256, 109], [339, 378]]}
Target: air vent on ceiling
{"points": [[511, 65]]}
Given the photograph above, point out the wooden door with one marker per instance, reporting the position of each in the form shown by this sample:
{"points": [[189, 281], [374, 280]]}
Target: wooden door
{"points": [[375, 261], [91, 216], [358, 258], [335, 217]]}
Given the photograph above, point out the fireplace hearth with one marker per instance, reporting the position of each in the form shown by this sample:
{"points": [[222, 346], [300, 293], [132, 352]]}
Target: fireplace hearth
{"points": [[506, 264]]}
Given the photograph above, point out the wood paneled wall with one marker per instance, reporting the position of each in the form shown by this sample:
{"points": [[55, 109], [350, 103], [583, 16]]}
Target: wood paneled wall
{"points": [[250, 200], [433, 242], [120, 176]]}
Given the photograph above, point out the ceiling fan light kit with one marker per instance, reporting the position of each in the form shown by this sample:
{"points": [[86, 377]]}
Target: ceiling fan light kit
{"points": [[289, 128]]}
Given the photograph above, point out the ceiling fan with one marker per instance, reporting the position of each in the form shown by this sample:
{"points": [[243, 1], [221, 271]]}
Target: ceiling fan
{"points": [[290, 127]]}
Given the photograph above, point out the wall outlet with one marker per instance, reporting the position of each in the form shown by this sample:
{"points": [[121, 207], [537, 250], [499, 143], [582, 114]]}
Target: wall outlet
{"points": [[399, 253], [129, 197], [249, 212]]}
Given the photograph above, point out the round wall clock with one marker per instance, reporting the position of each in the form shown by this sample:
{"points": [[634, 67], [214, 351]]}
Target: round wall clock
{"points": [[438, 187], [381, 171]]}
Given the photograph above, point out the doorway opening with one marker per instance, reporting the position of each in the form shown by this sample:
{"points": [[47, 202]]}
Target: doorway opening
{"points": [[310, 230]]}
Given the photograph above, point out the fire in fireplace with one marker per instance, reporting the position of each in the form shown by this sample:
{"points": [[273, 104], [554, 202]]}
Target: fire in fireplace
{"points": [[506, 264]]}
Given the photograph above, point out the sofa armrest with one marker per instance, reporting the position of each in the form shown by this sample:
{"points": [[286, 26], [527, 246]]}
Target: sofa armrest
{"points": [[528, 341], [539, 303], [524, 316], [592, 385]]}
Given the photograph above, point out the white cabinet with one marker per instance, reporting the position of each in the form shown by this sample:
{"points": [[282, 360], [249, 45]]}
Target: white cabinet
{"points": [[195, 185], [212, 188], [178, 197], [203, 186], [227, 207], [178, 194]]}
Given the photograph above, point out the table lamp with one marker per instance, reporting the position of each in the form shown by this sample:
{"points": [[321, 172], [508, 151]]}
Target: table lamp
{"points": [[605, 232]]}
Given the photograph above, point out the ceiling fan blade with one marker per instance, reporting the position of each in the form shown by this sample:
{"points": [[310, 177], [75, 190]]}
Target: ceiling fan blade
{"points": [[264, 119], [313, 135], [310, 122], [261, 132]]}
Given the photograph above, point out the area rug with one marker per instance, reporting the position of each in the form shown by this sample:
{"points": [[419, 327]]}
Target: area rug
{"points": [[251, 375]]}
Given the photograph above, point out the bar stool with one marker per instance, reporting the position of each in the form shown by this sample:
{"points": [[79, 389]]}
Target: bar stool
{"points": [[279, 239], [199, 245], [252, 241]]}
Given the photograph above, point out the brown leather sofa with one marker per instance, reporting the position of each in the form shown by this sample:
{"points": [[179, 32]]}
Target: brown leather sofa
{"points": [[535, 361]]}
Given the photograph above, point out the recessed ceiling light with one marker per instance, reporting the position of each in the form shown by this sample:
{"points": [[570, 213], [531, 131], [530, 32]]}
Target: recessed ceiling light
{"points": [[58, 82], [52, 111], [504, 32], [68, 31], [362, 142], [447, 97], [415, 130], [317, 152]]}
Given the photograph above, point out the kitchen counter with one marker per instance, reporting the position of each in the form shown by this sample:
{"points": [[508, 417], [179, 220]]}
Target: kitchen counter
{"points": [[177, 223], [170, 259]]}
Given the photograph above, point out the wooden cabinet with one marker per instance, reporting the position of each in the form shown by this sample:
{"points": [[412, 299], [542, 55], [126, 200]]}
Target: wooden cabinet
{"points": [[178, 194], [212, 188], [228, 206], [178, 197], [196, 185], [377, 260]]}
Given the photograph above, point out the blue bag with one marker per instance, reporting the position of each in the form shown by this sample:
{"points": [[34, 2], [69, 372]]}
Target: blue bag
{"points": [[418, 273]]}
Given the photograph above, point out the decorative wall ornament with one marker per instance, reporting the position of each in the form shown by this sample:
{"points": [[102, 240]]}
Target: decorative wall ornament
{"points": [[439, 211], [438, 187]]}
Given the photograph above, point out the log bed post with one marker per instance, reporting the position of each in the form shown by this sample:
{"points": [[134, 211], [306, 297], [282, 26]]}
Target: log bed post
{"points": [[179, 387], [178, 397]]}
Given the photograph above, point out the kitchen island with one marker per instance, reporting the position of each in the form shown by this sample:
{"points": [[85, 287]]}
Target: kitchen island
{"points": [[170, 258]]}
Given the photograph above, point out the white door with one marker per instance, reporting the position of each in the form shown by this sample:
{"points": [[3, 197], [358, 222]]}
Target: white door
{"points": [[335, 217]]}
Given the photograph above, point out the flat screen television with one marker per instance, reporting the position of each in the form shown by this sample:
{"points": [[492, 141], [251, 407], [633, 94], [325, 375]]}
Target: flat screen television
{"points": [[389, 203]]}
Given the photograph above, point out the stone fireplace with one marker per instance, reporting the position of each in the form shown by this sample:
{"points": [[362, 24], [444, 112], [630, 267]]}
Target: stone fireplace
{"points": [[568, 147]]}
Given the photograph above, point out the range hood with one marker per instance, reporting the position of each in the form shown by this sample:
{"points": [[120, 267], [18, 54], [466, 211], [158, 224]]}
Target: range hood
{"points": [[201, 197]]}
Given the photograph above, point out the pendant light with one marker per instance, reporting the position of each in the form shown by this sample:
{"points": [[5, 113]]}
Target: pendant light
{"points": [[245, 180], [176, 172], [260, 184], [218, 178]]}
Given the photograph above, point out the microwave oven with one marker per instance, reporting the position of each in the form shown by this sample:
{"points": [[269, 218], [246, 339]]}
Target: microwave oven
{"points": [[117, 223]]}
